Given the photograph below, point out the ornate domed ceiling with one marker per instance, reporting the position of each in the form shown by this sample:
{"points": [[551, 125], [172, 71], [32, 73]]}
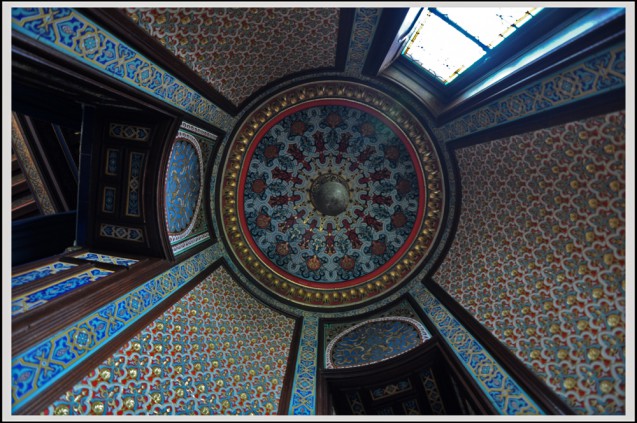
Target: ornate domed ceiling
{"points": [[331, 194]]}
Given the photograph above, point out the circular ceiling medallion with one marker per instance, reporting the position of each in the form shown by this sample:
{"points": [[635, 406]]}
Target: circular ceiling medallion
{"points": [[331, 194], [184, 180]]}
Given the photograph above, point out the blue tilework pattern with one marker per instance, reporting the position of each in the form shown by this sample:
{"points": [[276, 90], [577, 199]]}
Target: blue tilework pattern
{"points": [[183, 188], [136, 166], [363, 30], [183, 185], [71, 33], [108, 205], [597, 74], [374, 341], [389, 390], [40, 272], [128, 132], [303, 400], [355, 403], [55, 290], [46, 362], [105, 258], [112, 161], [121, 232], [433, 394], [502, 391]]}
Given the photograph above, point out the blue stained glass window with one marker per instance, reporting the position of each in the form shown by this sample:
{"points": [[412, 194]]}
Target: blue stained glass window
{"points": [[448, 40]]}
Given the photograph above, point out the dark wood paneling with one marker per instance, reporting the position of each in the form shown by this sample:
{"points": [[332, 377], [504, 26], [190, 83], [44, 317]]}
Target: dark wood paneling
{"points": [[163, 129], [41, 236], [345, 24], [390, 22], [468, 385], [334, 383]]}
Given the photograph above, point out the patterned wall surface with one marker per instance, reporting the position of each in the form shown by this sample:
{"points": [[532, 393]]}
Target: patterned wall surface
{"points": [[72, 34], [539, 256], [47, 361], [500, 389], [215, 351], [239, 50], [375, 340], [595, 75], [184, 193]]}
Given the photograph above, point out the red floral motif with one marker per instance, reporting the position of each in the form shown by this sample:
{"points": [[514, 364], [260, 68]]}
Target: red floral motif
{"points": [[367, 129], [392, 153], [263, 221], [298, 128], [271, 152], [258, 186], [398, 219], [378, 248], [283, 248], [347, 263], [403, 186], [333, 120], [313, 263]]}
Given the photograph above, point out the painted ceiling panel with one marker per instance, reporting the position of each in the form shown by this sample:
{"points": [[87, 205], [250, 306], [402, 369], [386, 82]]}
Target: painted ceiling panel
{"points": [[239, 50]]}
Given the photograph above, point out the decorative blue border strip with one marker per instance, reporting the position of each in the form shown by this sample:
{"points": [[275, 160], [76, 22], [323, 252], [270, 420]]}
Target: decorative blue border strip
{"points": [[39, 273], [135, 171], [303, 400], [105, 258], [190, 243], [504, 393], [54, 290], [46, 362], [594, 75], [363, 30], [71, 33]]}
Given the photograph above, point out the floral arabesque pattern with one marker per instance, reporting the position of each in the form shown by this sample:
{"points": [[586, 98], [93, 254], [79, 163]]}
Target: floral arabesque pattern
{"points": [[216, 351], [383, 186], [239, 50], [539, 255]]}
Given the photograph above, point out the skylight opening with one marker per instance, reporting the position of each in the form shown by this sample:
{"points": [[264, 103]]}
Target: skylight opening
{"points": [[448, 40]]}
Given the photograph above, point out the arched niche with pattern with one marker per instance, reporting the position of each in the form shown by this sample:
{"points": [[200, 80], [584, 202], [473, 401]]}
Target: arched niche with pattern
{"points": [[375, 340]]}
